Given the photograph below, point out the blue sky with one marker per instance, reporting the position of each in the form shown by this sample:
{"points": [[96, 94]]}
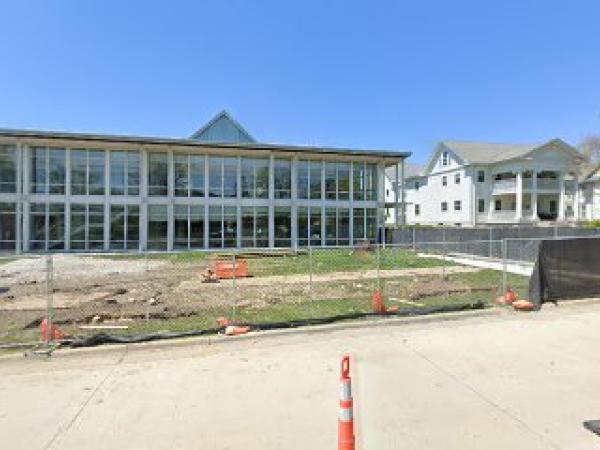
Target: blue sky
{"points": [[393, 75]]}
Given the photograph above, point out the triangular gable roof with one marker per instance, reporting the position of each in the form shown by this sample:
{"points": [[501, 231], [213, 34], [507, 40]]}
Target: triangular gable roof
{"points": [[488, 153], [223, 129]]}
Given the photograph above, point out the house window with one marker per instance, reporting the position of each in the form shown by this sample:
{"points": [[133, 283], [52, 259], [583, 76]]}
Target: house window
{"points": [[481, 205], [457, 178], [387, 192], [444, 206], [498, 205], [416, 185], [444, 180], [480, 176], [444, 158], [417, 210], [456, 205]]}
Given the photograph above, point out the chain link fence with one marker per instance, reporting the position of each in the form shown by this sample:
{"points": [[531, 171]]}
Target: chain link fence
{"points": [[134, 294]]}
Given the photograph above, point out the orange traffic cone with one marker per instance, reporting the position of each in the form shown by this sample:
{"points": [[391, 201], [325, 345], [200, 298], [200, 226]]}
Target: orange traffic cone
{"points": [[346, 439], [223, 321], [379, 305]]}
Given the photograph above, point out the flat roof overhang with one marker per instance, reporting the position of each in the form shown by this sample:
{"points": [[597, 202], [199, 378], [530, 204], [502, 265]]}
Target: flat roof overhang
{"points": [[144, 140]]}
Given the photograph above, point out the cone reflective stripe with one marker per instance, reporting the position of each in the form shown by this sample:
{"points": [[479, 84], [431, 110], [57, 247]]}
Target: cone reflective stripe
{"points": [[346, 416]]}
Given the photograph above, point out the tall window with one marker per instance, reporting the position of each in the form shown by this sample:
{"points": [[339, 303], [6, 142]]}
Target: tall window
{"points": [[8, 226], [445, 159], [444, 180], [222, 177], [457, 178], [189, 175], [343, 181], [283, 226], [47, 226], [222, 226], [189, 226], [283, 178], [309, 226], [480, 176], [255, 178], [87, 227], [330, 180], [255, 226], [124, 227], [358, 224], [417, 209], [481, 205], [87, 172], [8, 169], [309, 179], [48, 170], [364, 181], [372, 224], [337, 226], [444, 206], [457, 205], [124, 173], [158, 174], [158, 225]]}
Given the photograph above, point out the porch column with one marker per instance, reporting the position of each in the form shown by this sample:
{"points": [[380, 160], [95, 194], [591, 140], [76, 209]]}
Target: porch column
{"points": [[561, 197], [576, 206], [519, 212], [396, 188], [534, 208]]}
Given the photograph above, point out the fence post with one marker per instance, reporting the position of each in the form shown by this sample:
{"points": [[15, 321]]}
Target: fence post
{"points": [[310, 273], [378, 267], [234, 289], [414, 233], [555, 231], [504, 266], [49, 297], [491, 245]]}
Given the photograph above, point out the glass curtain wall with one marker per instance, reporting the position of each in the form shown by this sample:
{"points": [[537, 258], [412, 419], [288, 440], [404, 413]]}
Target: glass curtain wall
{"points": [[87, 227], [8, 226], [124, 173], [158, 227], [282, 178], [189, 175], [255, 178], [283, 226], [8, 169], [158, 174], [188, 226], [337, 226], [87, 172], [124, 227], [309, 226], [222, 226], [47, 226], [223, 177], [47, 172], [309, 180], [255, 226]]}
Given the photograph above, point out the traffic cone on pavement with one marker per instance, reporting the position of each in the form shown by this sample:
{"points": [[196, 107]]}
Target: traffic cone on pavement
{"points": [[346, 439]]}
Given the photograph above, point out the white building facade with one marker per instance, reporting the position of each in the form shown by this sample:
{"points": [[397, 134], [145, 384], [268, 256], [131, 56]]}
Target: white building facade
{"points": [[217, 189], [474, 183]]}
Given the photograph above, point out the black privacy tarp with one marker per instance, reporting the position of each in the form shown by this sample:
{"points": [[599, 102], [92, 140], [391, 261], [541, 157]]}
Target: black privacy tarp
{"points": [[566, 269]]}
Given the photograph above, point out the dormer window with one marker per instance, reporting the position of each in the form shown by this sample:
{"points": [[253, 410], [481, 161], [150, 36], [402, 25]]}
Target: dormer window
{"points": [[444, 158]]}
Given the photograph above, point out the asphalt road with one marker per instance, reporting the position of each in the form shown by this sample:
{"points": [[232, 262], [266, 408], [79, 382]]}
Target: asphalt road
{"points": [[502, 381]]}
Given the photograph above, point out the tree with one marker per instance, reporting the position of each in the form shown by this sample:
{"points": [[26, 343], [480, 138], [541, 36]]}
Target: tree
{"points": [[590, 147]]}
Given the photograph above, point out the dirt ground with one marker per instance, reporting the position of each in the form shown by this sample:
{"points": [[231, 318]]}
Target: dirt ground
{"points": [[119, 289]]}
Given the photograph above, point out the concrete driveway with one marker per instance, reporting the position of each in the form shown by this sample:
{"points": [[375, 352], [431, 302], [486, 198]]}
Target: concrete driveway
{"points": [[501, 381]]}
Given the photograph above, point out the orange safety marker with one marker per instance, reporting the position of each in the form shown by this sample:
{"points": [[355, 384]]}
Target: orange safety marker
{"points": [[54, 334], [232, 330], [346, 439]]}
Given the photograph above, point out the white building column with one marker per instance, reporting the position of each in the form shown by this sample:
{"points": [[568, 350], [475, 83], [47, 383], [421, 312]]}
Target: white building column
{"points": [[271, 203], [396, 187], [561, 197], [534, 199], [519, 195], [576, 206]]}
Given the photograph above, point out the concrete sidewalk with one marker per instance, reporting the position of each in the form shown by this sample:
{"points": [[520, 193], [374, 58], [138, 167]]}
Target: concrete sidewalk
{"points": [[510, 381]]}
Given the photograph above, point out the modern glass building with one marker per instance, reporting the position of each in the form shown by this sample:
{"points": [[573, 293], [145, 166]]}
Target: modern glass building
{"points": [[218, 189]]}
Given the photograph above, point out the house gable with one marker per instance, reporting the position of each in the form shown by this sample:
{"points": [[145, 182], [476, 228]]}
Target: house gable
{"points": [[435, 163], [223, 129]]}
